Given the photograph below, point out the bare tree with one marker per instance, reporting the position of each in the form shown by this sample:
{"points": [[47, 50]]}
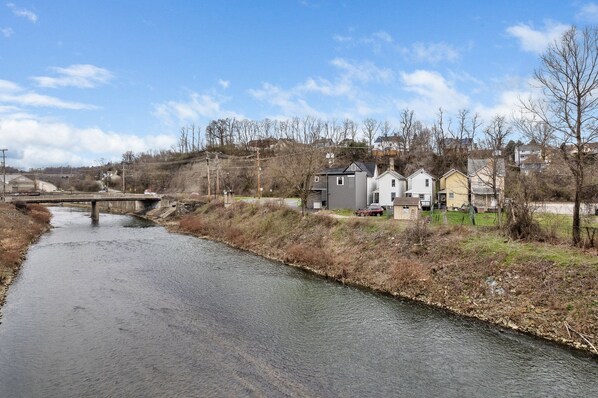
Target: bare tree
{"points": [[491, 172], [295, 167], [406, 130], [568, 78], [535, 130], [370, 129]]}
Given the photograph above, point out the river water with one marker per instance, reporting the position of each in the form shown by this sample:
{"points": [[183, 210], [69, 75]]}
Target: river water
{"points": [[126, 309]]}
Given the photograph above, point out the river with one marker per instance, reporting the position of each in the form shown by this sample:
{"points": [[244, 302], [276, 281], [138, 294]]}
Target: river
{"points": [[127, 309]]}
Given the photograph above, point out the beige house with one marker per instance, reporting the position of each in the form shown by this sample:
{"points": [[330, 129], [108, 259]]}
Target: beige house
{"points": [[454, 189], [406, 208], [487, 181]]}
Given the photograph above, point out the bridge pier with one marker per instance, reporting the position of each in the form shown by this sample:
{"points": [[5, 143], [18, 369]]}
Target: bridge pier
{"points": [[95, 211]]}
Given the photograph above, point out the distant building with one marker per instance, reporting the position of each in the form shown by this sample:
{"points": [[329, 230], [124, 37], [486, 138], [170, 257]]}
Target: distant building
{"points": [[458, 145], [18, 183], [528, 157]]}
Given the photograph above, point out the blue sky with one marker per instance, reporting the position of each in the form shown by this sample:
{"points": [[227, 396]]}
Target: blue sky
{"points": [[87, 80]]}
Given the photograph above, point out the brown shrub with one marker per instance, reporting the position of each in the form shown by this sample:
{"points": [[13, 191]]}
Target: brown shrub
{"points": [[407, 274], [42, 217], [191, 224], [309, 256], [10, 258]]}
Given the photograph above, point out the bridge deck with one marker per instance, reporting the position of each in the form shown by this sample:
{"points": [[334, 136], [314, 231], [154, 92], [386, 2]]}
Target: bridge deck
{"points": [[75, 198]]}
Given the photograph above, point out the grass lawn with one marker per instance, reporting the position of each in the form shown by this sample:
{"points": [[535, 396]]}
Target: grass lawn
{"points": [[460, 218]]}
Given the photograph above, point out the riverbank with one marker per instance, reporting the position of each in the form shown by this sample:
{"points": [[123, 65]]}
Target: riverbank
{"points": [[19, 227], [546, 290]]}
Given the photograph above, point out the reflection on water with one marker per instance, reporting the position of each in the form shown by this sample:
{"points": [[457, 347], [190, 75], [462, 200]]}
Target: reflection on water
{"points": [[124, 310]]}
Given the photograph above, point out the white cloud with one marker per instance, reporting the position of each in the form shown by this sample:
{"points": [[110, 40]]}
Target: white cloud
{"points": [[12, 94], [536, 41], [378, 40], [199, 107], [362, 72], [22, 12], [432, 92], [224, 83], [432, 52], [288, 101], [34, 142], [81, 76], [588, 12], [342, 39], [7, 32]]}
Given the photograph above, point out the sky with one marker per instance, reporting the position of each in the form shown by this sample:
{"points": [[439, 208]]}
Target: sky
{"points": [[83, 81]]}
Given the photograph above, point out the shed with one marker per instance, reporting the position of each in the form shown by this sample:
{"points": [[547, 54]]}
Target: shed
{"points": [[406, 208]]}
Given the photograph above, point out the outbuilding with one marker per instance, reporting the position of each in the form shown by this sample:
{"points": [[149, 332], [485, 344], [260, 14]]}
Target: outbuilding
{"points": [[406, 208]]}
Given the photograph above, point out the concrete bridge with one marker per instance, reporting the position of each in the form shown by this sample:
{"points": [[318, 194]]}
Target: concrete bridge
{"points": [[145, 201]]}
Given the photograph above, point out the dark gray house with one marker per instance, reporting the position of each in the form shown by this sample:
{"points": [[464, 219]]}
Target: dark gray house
{"points": [[342, 188]]}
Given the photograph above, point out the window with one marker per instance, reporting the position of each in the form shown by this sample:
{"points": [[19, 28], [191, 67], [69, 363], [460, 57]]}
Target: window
{"points": [[392, 183], [393, 196], [421, 196], [317, 179], [340, 180], [427, 182], [451, 195]]}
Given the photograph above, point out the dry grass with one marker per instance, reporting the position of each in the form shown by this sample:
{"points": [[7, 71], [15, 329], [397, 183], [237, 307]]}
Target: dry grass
{"points": [[20, 224]]}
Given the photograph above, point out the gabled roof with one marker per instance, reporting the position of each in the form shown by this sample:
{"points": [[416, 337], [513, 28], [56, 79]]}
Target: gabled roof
{"points": [[420, 171], [10, 177], [393, 173], [403, 201], [369, 168], [452, 171], [475, 165]]}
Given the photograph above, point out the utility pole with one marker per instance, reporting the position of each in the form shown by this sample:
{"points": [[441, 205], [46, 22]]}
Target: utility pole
{"points": [[209, 184], [4, 173], [123, 177], [217, 177], [259, 176]]}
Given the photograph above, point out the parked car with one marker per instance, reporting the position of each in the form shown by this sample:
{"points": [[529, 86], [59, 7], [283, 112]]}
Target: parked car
{"points": [[371, 210]]}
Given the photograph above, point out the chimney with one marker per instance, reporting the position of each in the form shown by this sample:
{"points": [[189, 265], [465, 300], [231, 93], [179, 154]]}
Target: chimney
{"points": [[391, 165]]}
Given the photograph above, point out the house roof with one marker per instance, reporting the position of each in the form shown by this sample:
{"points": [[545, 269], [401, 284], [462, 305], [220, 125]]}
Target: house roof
{"points": [[452, 171], [369, 168], [335, 170], [420, 171], [10, 177], [403, 201], [393, 173], [475, 165]]}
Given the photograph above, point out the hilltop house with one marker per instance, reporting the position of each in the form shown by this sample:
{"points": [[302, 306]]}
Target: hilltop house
{"points": [[529, 157], [421, 185], [454, 189], [387, 145], [487, 181]]}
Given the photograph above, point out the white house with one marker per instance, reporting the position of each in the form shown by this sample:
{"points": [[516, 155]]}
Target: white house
{"points": [[391, 185], [421, 185]]}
